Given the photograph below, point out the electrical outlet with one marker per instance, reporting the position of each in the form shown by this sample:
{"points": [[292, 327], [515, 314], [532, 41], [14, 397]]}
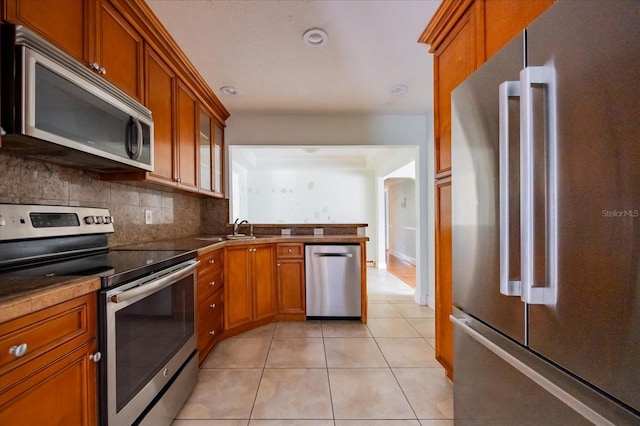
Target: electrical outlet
{"points": [[148, 216], [318, 231]]}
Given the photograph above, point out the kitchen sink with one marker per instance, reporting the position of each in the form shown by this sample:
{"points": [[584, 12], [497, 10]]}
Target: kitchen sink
{"points": [[240, 237], [215, 239]]}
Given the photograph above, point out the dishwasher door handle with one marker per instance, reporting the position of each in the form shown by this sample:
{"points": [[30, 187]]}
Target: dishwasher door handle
{"points": [[333, 254]]}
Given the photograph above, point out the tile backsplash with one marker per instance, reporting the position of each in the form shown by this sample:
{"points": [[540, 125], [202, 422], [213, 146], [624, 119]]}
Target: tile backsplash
{"points": [[175, 215]]}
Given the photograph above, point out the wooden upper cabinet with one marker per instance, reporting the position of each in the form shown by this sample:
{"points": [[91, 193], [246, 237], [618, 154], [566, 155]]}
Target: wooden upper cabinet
{"points": [[210, 146], [506, 18], [159, 98], [65, 23], [119, 50], [454, 60], [186, 111]]}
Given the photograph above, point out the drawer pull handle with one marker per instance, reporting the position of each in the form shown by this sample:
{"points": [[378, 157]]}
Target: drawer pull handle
{"points": [[95, 357], [213, 305], [212, 333], [18, 350], [212, 283], [212, 261]]}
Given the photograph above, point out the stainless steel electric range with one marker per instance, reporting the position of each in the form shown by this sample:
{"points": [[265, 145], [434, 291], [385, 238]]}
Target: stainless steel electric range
{"points": [[147, 340]]}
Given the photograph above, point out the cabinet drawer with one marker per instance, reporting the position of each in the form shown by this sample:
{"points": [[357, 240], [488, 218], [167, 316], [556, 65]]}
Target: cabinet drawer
{"points": [[210, 261], [209, 283], [45, 330], [210, 321], [290, 250]]}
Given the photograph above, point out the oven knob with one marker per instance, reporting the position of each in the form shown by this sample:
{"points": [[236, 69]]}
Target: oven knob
{"points": [[89, 220], [107, 219], [99, 219], [2, 221], [95, 357]]}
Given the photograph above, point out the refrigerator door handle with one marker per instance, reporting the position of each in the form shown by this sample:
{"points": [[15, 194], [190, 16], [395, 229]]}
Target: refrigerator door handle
{"points": [[507, 89], [546, 294]]}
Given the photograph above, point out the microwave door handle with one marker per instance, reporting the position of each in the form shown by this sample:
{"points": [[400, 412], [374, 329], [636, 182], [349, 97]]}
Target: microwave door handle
{"points": [[507, 89], [138, 151]]}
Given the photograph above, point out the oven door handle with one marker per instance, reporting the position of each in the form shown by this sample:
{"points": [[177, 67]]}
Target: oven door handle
{"points": [[155, 285]]}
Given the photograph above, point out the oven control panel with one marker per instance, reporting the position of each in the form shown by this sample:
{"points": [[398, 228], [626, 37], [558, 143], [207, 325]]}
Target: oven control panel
{"points": [[24, 221]]}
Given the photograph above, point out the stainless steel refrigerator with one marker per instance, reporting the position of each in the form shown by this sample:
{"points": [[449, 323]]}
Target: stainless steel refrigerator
{"points": [[546, 223]]}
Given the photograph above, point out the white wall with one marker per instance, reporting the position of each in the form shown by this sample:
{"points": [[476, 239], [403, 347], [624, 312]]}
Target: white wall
{"points": [[310, 196], [407, 130], [402, 218]]}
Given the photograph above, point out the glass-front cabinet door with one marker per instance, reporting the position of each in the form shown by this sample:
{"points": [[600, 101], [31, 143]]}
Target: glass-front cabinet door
{"points": [[211, 149], [205, 151], [218, 143]]}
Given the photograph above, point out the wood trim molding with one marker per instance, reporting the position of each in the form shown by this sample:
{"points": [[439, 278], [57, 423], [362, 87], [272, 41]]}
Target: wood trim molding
{"points": [[443, 21]]}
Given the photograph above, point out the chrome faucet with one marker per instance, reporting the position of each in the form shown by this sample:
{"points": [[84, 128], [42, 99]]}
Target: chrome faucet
{"points": [[236, 225]]}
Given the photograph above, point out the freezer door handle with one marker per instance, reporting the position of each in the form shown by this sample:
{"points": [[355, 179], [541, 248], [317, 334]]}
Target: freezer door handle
{"points": [[507, 89], [543, 293], [466, 324]]}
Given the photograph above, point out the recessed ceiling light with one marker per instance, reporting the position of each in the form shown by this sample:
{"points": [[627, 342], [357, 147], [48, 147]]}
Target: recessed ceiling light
{"points": [[315, 37], [229, 90], [399, 89]]}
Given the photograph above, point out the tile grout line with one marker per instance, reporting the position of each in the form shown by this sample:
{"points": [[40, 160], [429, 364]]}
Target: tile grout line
{"points": [[264, 365]]}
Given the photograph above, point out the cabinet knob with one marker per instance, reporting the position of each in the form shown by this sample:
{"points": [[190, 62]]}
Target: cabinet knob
{"points": [[95, 357], [213, 305], [94, 66], [18, 350], [212, 283], [289, 250], [277, 264], [212, 261], [212, 332], [102, 71]]}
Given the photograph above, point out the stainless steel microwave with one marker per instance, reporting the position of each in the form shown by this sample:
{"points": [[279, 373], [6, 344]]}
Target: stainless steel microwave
{"points": [[56, 109]]}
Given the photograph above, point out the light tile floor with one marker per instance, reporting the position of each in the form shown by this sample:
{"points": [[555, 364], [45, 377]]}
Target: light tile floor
{"points": [[329, 373]]}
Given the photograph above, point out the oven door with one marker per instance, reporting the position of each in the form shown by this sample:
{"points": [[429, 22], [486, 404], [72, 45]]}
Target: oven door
{"points": [[149, 335]]}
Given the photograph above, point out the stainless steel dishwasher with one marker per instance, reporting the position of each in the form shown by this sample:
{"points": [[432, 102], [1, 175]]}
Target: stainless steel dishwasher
{"points": [[333, 281]]}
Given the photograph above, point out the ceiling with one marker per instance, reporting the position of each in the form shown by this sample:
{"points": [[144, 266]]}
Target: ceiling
{"points": [[257, 47], [319, 157]]}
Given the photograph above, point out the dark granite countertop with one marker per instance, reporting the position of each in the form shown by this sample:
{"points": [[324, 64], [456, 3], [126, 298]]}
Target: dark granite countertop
{"points": [[23, 295]]}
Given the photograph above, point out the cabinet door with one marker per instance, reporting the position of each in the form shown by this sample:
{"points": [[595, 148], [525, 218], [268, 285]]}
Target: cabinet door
{"points": [[218, 162], [159, 98], [63, 393], [454, 60], [291, 290], [264, 290], [119, 50], [63, 22], [186, 143], [506, 18], [237, 287], [205, 152], [444, 298]]}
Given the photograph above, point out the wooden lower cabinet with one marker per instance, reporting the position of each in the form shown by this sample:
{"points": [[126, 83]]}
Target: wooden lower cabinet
{"points": [[210, 302], [54, 381], [444, 296], [291, 281], [250, 285]]}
